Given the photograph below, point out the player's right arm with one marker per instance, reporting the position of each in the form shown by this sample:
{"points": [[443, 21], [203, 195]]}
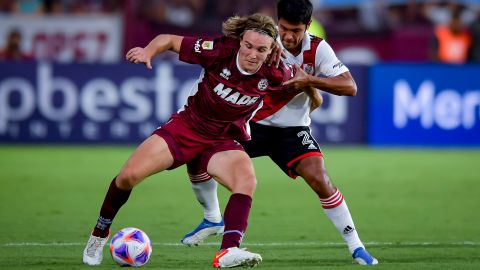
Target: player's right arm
{"points": [[158, 45]]}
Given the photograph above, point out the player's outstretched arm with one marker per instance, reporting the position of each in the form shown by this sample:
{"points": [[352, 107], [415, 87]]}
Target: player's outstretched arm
{"points": [[158, 45], [341, 85]]}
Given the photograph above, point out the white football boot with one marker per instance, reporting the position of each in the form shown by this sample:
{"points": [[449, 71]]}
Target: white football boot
{"points": [[234, 256], [93, 252], [202, 231]]}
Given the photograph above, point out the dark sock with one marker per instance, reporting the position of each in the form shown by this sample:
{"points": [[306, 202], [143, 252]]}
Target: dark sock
{"points": [[114, 199], [236, 219]]}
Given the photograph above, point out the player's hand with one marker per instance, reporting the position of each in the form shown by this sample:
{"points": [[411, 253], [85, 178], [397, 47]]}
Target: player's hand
{"points": [[139, 55], [276, 54], [299, 81]]}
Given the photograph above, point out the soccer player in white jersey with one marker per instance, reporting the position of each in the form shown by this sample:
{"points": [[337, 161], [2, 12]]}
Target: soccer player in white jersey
{"points": [[283, 123]]}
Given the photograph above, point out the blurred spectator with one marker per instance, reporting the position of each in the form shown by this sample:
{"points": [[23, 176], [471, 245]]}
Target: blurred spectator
{"points": [[7, 6], [180, 13], [475, 49], [227, 8], [394, 17], [441, 12], [451, 42], [31, 7], [91, 6], [40, 7], [267, 8], [183, 13], [371, 15], [12, 50], [53, 7]]}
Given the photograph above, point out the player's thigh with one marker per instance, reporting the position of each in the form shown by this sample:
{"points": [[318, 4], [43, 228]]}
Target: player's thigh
{"points": [[312, 165], [150, 157], [312, 169], [234, 170]]}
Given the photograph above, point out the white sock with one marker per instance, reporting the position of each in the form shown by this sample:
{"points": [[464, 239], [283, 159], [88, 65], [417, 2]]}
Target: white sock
{"points": [[337, 211], [206, 193]]}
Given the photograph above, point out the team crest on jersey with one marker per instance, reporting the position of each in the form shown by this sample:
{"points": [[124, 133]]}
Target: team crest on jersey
{"points": [[308, 68], [262, 84], [225, 73], [207, 45]]}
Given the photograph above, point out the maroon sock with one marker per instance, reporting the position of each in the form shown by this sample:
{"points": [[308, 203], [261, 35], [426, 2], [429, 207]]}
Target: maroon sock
{"points": [[236, 219], [114, 199]]}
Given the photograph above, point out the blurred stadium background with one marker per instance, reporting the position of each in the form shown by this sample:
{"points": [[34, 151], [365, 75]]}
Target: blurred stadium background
{"points": [[404, 151]]}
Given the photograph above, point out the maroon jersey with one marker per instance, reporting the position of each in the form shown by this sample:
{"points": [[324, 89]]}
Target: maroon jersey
{"points": [[225, 98]]}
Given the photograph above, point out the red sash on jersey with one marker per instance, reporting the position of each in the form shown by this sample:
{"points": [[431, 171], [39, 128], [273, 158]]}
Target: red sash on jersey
{"points": [[274, 102]]}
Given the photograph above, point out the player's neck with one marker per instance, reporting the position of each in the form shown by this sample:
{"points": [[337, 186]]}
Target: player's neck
{"points": [[296, 51]]}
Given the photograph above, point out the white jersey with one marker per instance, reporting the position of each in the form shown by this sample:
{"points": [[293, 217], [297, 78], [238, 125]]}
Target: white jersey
{"points": [[287, 109]]}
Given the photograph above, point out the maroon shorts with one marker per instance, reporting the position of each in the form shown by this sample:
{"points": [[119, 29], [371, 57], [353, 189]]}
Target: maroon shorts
{"points": [[186, 145]]}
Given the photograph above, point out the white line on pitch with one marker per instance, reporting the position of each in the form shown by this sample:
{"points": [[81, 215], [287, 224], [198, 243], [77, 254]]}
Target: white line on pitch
{"points": [[298, 244]]}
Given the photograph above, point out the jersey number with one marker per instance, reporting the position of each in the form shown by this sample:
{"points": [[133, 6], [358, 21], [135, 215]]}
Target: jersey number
{"points": [[306, 137]]}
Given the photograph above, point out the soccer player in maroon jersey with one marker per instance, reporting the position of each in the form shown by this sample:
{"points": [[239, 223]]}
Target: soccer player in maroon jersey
{"points": [[280, 129], [230, 89]]}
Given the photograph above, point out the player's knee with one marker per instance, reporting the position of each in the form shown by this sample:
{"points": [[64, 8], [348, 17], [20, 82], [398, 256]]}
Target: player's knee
{"points": [[251, 181], [245, 184], [128, 178], [322, 185], [320, 177], [249, 186]]}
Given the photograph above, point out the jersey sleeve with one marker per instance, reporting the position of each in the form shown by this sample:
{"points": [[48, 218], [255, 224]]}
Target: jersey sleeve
{"points": [[283, 73], [199, 50], [327, 63]]}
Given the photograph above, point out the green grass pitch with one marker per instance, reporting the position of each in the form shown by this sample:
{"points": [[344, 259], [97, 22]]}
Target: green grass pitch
{"points": [[414, 209]]}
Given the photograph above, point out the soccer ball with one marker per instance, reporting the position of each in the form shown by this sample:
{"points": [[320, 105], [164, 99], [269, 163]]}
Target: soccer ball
{"points": [[130, 247]]}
